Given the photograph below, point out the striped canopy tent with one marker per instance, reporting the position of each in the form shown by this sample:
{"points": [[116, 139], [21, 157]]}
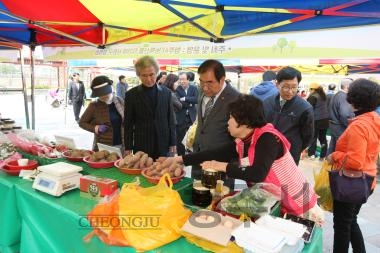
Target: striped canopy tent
{"points": [[103, 23], [364, 69]]}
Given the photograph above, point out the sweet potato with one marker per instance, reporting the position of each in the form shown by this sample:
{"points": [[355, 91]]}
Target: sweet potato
{"points": [[149, 162], [139, 154], [136, 165], [132, 160], [177, 172], [121, 163], [143, 160]]}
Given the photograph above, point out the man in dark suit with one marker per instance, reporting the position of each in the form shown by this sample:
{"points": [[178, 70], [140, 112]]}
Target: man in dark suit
{"points": [[149, 115], [213, 113], [188, 95], [76, 95]]}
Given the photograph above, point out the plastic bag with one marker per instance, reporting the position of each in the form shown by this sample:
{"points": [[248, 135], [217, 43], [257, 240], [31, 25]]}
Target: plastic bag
{"points": [[322, 187], [231, 247], [253, 202], [188, 140], [143, 218]]}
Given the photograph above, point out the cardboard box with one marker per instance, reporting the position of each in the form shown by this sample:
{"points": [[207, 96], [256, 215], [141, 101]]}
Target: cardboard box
{"points": [[98, 186]]}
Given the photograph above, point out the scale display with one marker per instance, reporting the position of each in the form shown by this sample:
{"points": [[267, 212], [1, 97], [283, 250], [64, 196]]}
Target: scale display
{"points": [[58, 178], [47, 184]]}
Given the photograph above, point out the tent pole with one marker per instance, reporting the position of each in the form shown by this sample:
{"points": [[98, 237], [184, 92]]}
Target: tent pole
{"points": [[238, 82], [32, 87], [25, 93]]}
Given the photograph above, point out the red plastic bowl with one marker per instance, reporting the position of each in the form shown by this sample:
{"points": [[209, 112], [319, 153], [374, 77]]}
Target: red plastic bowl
{"points": [[10, 172], [13, 165], [67, 156], [154, 180], [129, 171], [98, 165]]}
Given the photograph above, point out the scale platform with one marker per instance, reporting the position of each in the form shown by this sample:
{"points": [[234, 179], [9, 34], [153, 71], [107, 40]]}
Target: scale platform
{"points": [[57, 178]]}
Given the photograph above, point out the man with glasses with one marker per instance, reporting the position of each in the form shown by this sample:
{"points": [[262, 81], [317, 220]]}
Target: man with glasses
{"points": [[149, 115], [213, 115], [289, 113]]}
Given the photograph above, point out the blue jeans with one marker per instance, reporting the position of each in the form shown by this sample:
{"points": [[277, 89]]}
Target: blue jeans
{"points": [[346, 228]]}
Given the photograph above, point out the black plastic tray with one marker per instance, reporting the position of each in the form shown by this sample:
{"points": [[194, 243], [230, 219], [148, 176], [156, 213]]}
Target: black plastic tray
{"points": [[310, 225]]}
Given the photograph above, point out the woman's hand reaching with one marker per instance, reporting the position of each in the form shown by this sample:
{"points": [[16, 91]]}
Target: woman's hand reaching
{"points": [[219, 166]]}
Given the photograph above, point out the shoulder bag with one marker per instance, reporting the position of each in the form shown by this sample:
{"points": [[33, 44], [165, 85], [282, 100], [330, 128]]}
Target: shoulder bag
{"points": [[350, 186]]}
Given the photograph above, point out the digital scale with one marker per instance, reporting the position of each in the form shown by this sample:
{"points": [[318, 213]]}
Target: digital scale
{"points": [[57, 178]]}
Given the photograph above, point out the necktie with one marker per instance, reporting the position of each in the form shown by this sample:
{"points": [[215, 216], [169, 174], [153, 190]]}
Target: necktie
{"points": [[208, 106], [282, 102]]}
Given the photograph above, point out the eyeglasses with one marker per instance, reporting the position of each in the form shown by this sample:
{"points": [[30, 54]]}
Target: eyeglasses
{"points": [[293, 89], [206, 83]]}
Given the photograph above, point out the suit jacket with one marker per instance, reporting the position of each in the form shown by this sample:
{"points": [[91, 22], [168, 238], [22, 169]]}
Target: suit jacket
{"points": [[190, 103], [75, 94], [147, 130], [213, 131]]}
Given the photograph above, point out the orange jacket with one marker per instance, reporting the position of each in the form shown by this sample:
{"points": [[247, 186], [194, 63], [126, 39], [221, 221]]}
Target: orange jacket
{"points": [[360, 142]]}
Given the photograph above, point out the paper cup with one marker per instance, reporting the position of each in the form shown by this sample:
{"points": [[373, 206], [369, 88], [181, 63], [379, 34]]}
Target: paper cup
{"points": [[22, 162]]}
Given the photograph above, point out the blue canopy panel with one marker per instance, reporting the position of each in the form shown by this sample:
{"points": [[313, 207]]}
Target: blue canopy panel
{"points": [[13, 31], [283, 16]]}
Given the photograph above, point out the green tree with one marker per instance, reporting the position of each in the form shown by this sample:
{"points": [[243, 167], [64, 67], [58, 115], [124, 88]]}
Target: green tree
{"points": [[282, 43]]}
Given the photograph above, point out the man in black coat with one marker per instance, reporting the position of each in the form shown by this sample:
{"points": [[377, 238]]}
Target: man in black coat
{"points": [[76, 95], [149, 115], [188, 95], [289, 113]]}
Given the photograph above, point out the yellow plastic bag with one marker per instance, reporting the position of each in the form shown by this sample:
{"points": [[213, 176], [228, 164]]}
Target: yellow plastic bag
{"points": [[322, 187], [143, 218], [190, 135], [231, 247]]}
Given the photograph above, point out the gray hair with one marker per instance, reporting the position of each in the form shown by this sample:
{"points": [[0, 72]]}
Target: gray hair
{"points": [[146, 62], [345, 83]]}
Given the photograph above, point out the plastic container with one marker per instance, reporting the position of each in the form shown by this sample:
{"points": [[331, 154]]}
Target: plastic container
{"points": [[98, 165], [13, 165], [129, 171]]}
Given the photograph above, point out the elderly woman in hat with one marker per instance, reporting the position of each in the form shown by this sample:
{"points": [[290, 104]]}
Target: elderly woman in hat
{"points": [[104, 117]]}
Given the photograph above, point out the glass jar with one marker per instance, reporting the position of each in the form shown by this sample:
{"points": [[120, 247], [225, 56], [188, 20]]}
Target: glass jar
{"points": [[209, 178]]}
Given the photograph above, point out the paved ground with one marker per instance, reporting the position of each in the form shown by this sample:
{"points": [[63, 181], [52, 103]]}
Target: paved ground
{"points": [[369, 216], [50, 121]]}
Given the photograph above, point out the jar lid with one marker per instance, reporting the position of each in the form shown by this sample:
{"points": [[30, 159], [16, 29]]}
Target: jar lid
{"points": [[210, 170]]}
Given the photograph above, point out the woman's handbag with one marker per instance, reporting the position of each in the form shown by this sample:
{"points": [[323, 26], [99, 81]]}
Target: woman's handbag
{"points": [[350, 186]]}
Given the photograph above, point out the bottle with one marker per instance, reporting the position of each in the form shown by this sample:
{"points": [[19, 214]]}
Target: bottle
{"points": [[218, 194]]}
